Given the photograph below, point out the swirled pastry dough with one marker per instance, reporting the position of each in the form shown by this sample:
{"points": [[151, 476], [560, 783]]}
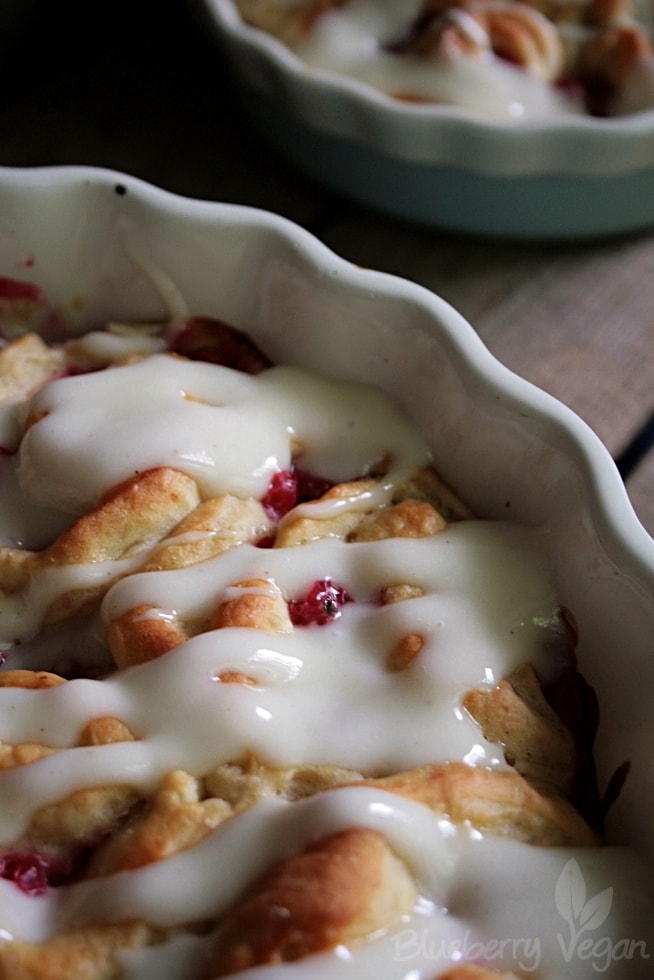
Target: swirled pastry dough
{"points": [[273, 694]]}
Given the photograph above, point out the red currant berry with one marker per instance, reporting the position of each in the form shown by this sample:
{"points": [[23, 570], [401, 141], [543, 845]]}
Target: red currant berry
{"points": [[28, 871], [321, 605], [215, 342], [16, 289], [310, 486], [281, 495]]}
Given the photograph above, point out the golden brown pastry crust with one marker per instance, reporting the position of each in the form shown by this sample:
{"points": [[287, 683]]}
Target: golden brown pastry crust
{"points": [[26, 364], [501, 803], [253, 604], [157, 521], [516, 714], [177, 817], [211, 528], [127, 523], [284, 917], [364, 887]]}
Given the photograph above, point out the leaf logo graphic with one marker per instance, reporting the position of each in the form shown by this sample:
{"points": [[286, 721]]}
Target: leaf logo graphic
{"points": [[581, 915], [570, 894]]}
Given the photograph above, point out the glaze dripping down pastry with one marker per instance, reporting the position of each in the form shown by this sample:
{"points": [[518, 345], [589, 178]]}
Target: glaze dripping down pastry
{"points": [[273, 696]]}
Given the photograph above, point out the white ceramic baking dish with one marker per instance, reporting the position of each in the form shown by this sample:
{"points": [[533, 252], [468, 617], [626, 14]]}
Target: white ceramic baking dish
{"points": [[102, 245]]}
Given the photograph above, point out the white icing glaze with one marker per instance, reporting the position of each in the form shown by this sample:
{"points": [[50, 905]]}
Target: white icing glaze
{"points": [[471, 894], [229, 431], [321, 694], [350, 40]]}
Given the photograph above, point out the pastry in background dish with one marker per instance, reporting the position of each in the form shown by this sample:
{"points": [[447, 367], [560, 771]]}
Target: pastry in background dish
{"points": [[512, 59]]}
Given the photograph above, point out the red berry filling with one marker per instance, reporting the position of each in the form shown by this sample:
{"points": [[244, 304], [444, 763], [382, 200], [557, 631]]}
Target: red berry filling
{"points": [[16, 289], [215, 342], [281, 495], [290, 487], [28, 871], [33, 873], [268, 541], [310, 486], [321, 605]]}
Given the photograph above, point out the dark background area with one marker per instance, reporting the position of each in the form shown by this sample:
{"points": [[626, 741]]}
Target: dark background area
{"points": [[137, 87]]}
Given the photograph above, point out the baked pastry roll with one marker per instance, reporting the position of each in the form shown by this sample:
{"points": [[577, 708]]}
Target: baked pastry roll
{"points": [[275, 696], [592, 57]]}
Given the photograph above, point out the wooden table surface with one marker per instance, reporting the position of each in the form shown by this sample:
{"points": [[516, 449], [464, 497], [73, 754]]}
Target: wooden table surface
{"points": [[152, 98]]}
